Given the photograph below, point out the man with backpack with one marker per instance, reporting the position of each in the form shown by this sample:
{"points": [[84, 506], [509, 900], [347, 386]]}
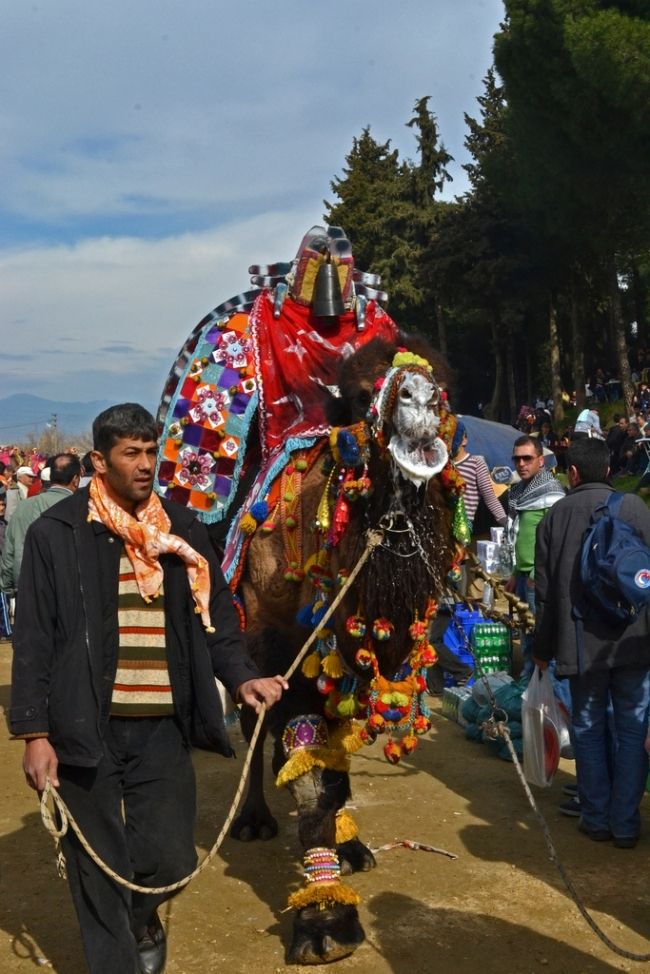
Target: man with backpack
{"points": [[593, 617]]}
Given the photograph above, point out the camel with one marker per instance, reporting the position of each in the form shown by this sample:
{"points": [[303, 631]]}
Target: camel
{"points": [[297, 406], [384, 466]]}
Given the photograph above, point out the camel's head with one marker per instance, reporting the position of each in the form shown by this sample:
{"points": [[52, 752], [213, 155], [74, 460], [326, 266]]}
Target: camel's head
{"points": [[406, 418]]}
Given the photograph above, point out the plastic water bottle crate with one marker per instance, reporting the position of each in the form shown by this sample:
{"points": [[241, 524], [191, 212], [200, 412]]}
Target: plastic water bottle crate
{"points": [[452, 699], [491, 646]]}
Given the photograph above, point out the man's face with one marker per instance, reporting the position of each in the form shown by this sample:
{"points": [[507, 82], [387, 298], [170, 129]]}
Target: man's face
{"points": [[526, 461], [127, 471], [25, 479]]}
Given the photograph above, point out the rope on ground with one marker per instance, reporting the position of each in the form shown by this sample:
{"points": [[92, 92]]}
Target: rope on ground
{"points": [[68, 821], [498, 728]]}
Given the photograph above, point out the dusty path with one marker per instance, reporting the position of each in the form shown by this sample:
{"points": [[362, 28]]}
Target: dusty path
{"points": [[497, 909]]}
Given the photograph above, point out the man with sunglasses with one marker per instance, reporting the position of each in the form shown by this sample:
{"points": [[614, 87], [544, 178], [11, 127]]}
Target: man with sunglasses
{"points": [[528, 501]]}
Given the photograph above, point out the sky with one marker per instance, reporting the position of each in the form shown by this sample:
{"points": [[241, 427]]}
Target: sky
{"points": [[151, 150]]}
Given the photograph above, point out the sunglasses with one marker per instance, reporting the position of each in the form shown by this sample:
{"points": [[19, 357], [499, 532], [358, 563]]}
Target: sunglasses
{"points": [[524, 458]]}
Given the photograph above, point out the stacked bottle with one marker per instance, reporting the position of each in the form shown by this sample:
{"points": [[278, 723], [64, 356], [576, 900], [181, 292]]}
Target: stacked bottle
{"points": [[491, 646]]}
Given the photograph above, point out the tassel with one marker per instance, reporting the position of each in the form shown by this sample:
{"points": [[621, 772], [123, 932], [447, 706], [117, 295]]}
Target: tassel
{"points": [[311, 666], [332, 665], [346, 827]]}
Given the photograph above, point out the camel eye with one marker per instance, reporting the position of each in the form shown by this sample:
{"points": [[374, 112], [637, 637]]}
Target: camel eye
{"points": [[364, 398], [405, 394]]}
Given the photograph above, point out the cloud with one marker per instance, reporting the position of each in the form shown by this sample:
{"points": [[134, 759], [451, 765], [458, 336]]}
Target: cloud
{"points": [[154, 108], [122, 308]]}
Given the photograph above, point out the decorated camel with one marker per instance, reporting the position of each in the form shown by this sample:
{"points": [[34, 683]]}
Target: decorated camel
{"points": [[361, 451]]}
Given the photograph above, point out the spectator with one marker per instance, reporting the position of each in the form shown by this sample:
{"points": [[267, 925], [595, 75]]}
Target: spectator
{"points": [[601, 661], [65, 471], [478, 486], [628, 454], [18, 492], [588, 424], [528, 502], [614, 439]]}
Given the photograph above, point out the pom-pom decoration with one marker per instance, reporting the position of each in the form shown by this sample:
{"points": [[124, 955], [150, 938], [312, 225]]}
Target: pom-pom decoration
{"points": [[382, 629], [392, 752], [364, 658], [355, 626]]}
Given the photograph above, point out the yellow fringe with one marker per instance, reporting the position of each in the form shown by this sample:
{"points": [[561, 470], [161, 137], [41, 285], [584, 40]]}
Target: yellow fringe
{"points": [[347, 737], [311, 666], [324, 893], [303, 760], [346, 827]]}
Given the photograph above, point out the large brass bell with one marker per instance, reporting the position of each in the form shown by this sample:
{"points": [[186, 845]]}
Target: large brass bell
{"points": [[327, 301]]}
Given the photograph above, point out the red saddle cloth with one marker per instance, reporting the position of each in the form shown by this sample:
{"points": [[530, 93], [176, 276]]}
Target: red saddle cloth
{"points": [[296, 356]]}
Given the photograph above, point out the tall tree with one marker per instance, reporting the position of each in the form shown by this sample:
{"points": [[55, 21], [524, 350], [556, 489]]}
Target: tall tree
{"points": [[388, 207], [577, 79]]}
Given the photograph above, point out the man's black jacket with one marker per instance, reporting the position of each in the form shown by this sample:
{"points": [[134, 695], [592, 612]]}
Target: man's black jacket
{"points": [[66, 636]]}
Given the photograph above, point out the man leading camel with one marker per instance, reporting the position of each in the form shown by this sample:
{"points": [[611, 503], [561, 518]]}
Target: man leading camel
{"points": [[123, 621]]}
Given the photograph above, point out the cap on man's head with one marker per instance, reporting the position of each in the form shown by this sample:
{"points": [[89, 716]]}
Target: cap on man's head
{"points": [[25, 472]]}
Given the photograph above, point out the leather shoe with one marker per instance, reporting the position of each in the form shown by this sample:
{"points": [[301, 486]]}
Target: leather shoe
{"points": [[152, 947], [625, 841], [597, 835]]}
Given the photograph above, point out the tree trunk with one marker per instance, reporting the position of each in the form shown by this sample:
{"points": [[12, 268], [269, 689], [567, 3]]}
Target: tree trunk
{"points": [[620, 341], [492, 409], [640, 295], [556, 380], [442, 330], [578, 346], [510, 376]]}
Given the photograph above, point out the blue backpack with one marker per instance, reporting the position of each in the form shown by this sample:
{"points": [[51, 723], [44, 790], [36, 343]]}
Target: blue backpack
{"points": [[614, 565]]}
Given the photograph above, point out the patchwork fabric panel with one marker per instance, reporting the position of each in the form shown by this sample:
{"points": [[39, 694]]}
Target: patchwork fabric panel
{"points": [[203, 442]]}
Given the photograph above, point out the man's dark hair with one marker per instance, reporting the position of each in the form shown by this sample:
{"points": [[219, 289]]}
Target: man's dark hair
{"points": [[537, 445], [126, 420], [87, 469], [3, 466], [64, 467], [590, 457]]}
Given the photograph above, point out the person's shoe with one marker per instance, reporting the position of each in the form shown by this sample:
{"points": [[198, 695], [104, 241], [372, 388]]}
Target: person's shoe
{"points": [[152, 947], [571, 789], [572, 807], [597, 835], [625, 841]]}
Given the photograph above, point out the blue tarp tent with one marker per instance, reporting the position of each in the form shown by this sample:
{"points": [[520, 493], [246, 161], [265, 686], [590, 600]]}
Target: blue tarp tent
{"points": [[494, 442]]}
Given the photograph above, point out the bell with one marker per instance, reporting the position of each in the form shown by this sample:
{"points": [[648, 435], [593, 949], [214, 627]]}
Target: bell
{"points": [[327, 301]]}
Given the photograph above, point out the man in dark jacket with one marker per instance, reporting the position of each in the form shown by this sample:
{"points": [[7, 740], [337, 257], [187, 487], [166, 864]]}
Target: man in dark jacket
{"points": [[601, 661], [123, 623]]}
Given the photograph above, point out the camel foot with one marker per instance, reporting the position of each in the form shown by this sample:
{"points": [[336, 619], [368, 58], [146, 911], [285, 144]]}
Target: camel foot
{"points": [[324, 935], [251, 825], [355, 857]]}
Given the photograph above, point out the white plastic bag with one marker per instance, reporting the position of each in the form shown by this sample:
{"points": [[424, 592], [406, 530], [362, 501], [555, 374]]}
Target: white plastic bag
{"points": [[540, 720]]}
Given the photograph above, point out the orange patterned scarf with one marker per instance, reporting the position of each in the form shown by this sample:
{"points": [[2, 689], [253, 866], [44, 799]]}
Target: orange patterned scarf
{"points": [[146, 536]]}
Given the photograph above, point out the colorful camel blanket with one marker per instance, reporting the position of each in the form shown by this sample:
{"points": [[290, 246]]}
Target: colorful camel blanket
{"points": [[241, 362]]}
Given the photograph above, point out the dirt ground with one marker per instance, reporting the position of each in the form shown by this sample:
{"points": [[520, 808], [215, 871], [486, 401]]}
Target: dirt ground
{"points": [[499, 907]]}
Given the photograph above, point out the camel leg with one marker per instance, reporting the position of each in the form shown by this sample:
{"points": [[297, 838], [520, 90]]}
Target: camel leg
{"points": [[326, 931], [255, 820]]}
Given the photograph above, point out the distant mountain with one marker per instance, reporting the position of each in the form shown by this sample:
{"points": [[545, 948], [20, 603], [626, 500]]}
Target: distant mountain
{"points": [[22, 415]]}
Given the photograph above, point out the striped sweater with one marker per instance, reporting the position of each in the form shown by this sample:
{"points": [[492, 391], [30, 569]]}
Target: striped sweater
{"points": [[473, 469], [142, 687]]}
